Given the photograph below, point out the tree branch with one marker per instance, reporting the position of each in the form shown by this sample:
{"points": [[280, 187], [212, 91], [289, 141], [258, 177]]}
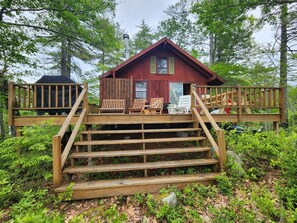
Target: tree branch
{"points": [[54, 9], [40, 28]]}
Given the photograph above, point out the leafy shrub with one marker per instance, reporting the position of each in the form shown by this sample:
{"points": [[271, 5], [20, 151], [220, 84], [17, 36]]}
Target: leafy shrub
{"points": [[287, 188], [31, 209], [24, 162], [258, 151], [234, 212], [100, 214], [225, 184], [30, 154]]}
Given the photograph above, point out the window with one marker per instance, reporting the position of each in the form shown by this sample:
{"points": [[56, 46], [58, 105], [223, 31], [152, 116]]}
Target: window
{"points": [[140, 89], [162, 65]]}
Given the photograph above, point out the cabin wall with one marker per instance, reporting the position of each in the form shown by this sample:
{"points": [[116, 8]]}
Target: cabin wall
{"points": [[158, 84]]}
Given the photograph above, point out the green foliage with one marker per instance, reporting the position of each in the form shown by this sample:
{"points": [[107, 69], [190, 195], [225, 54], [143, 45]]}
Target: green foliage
{"points": [[288, 163], [30, 154], [258, 151], [181, 29], [65, 196], [100, 214], [112, 215], [24, 161], [234, 212], [247, 74], [31, 209], [225, 184], [143, 38], [267, 203], [231, 32]]}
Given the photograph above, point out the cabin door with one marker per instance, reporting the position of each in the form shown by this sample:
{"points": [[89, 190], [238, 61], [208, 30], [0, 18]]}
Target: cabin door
{"points": [[175, 91]]}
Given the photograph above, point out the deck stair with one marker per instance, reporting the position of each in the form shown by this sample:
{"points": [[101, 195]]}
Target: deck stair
{"points": [[138, 158]]}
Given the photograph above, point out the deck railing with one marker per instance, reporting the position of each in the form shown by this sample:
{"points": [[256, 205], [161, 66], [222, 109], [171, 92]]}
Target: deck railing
{"points": [[219, 147], [59, 158], [42, 97], [240, 99]]}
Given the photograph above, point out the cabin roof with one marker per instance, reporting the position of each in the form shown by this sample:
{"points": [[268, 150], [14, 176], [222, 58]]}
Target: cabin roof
{"points": [[212, 78]]}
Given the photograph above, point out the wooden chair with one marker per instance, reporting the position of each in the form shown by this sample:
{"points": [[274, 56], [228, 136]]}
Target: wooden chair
{"points": [[113, 106], [184, 105], [137, 106], [156, 106]]}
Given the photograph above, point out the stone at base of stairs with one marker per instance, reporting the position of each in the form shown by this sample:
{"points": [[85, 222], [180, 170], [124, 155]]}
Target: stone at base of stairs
{"points": [[108, 188]]}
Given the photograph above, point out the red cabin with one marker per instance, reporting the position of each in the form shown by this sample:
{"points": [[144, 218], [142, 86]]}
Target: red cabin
{"points": [[161, 70]]}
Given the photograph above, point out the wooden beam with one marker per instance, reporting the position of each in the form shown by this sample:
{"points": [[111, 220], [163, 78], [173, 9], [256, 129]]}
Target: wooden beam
{"points": [[57, 164], [222, 149], [276, 127], [138, 119]]}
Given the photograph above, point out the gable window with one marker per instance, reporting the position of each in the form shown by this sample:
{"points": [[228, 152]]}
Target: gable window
{"points": [[162, 65], [140, 89]]}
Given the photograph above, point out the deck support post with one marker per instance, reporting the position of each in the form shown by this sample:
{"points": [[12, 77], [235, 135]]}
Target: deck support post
{"points": [[11, 97], [276, 127], [222, 149], [282, 105], [85, 101], [57, 162]]}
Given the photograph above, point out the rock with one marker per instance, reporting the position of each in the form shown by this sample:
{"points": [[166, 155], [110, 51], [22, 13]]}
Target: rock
{"points": [[238, 169], [235, 157], [171, 199]]}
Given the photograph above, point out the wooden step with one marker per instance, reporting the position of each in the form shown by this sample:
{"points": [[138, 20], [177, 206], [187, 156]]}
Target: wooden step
{"points": [[97, 132], [136, 141], [137, 152], [108, 188], [139, 166]]}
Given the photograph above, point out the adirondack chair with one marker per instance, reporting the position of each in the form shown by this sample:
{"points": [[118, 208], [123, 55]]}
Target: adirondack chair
{"points": [[137, 106], [184, 105], [156, 106], [113, 106]]}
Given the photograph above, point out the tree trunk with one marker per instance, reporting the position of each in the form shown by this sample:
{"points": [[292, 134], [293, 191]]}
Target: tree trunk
{"points": [[284, 58], [64, 57], [211, 49], [69, 57], [2, 125]]}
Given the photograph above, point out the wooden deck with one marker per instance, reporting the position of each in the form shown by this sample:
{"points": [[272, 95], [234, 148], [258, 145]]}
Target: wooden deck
{"points": [[103, 119], [147, 152]]}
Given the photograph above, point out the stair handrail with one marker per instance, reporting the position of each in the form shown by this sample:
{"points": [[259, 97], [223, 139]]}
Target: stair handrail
{"points": [[220, 147], [59, 158]]}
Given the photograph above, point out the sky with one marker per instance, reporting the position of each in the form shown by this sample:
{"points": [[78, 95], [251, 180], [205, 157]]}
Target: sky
{"points": [[130, 13]]}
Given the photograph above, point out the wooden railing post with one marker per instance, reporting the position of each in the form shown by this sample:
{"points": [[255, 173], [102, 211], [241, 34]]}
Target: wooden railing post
{"points": [[85, 100], [193, 88], [282, 108], [57, 163], [10, 103], [222, 149], [239, 103]]}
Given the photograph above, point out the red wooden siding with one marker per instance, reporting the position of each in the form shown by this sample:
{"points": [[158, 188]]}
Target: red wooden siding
{"points": [[118, 88], [158, 84]]}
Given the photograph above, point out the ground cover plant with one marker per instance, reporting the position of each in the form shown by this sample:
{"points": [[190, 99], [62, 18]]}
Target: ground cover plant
{"points": [[260, 189]]}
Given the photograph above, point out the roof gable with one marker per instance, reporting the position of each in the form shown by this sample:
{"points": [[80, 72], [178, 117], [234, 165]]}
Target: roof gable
{"points": [[175, 49]]}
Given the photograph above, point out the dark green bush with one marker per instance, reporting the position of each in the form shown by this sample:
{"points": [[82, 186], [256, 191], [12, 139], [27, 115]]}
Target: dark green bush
{"points": [[25, 162], [259, 152]]}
